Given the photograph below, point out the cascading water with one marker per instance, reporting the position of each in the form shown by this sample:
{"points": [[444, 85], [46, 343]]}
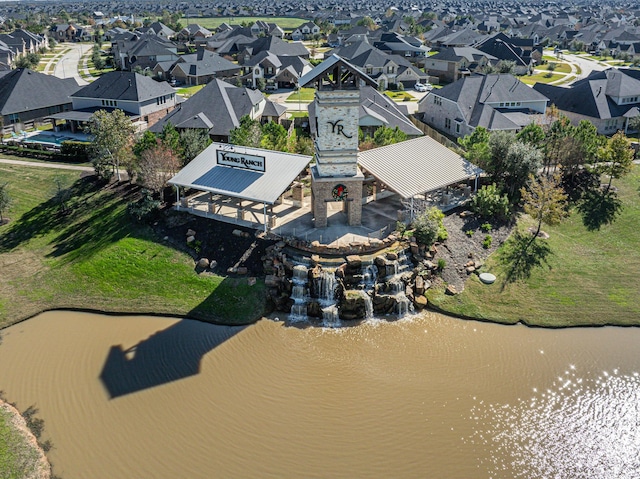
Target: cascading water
{"points": [[368, 305], [326, 289], [369, 275], [298, 293], [401, 265]]}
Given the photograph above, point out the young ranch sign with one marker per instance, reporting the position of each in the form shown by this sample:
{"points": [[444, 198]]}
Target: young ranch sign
{"points": [[241, 160]]}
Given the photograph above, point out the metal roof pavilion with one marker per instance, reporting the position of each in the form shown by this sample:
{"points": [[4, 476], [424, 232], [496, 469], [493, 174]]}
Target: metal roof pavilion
{"points": [[205, 173], [417, 166]]}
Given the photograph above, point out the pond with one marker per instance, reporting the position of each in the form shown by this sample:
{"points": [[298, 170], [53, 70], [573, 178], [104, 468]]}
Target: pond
{"points": [[427, 396]]}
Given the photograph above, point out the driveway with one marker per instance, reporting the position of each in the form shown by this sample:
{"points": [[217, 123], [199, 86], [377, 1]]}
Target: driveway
{"points": [[68, 65]]}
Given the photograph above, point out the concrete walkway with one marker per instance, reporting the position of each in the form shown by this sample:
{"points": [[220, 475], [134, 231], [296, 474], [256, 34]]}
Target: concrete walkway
{"points": [[38, 164]]}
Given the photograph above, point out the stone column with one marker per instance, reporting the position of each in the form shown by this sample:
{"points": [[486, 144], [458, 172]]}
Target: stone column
{"points": [[297, 193]]}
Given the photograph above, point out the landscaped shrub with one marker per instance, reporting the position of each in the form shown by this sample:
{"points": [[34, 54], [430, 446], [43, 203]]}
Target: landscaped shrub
{"points": [[489, 203], [145, 208], [486, 242], [76, 150], [486, 227], [429, 227], [441, 264]]}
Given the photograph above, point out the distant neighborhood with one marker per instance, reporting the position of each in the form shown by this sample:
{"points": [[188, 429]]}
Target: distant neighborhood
{"points": [[477, 56]]}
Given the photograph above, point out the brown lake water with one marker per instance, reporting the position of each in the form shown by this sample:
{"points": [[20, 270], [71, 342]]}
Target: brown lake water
{"points": [[426, 397]]}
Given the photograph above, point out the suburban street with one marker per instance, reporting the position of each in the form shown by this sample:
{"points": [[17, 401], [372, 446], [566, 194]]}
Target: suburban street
{"points": [[586, 65], [68, 65]]}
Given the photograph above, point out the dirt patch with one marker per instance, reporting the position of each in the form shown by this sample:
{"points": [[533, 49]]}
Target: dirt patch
{"points": [[462, 247], [215, 241]]}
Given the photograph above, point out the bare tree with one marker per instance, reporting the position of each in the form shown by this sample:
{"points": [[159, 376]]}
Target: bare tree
{"points": [[157, 166]]}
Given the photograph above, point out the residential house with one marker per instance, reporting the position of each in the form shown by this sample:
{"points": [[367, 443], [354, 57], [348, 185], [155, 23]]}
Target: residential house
{"points": [[607, 99], [27, 96], [218, 107], [140, 97], [405, 46], [65, 32], [494, 101], [274, 45], [504, 49], [143, 51], [277, 71], [305, 31], [193, 33], [376, 110], [387, 70], [450, 64], [159, 29], [266, 28], [201, 67]]}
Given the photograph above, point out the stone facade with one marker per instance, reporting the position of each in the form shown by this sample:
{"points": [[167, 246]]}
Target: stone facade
{"points": [[336, 135], [327, 189]]}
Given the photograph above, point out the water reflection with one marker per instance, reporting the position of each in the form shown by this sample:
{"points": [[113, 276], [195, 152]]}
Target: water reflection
{"points": [[578, 427], [168, 355]]}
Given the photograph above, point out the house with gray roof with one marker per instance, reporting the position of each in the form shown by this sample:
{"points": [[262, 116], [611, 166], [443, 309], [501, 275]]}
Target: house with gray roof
{"points": [[277, 71], [26, 95], [608, 99], [201, 67], [193, 33], [376, 110], [138, 96], [143, 51], [387, 69], [450, 64], [494, 101], [218, 107]]}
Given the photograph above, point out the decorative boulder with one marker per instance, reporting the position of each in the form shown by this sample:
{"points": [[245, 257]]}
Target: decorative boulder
{"points": [[451, 290], [203, 263], [190, 232], [420, 302], [190, 239]]}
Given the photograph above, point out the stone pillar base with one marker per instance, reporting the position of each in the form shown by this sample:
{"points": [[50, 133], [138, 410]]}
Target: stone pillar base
{"points": [[347, 189]]}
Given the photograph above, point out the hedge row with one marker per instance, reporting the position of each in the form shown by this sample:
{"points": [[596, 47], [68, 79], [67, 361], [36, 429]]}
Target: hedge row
{"points": [[70, 151]]}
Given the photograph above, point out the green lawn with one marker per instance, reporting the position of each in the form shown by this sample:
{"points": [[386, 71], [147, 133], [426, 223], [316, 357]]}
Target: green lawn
{"points": [[302, 95], [591, 278], [17, 458], [560, 67], [288, 24], [95, 257], [190, 90], [540, 78], [400, 95]]}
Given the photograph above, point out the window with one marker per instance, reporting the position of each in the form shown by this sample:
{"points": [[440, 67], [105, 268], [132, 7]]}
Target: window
{"points": [[391, 69], [437, 100], [457, 127], [13, 118], [447, 123]]}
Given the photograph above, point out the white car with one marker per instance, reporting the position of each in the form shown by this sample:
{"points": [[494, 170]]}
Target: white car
{"points": [[423, 87]]}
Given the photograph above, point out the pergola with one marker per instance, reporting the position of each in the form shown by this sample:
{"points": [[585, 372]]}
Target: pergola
{"points": [[417, 167], [245, 174]]}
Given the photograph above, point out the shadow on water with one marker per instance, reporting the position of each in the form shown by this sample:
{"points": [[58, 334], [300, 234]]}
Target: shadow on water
{"points": [[168, 355]]}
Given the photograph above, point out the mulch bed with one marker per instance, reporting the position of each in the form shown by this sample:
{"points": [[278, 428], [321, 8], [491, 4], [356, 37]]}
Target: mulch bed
{"points": [[460, 247], [215, 241]]}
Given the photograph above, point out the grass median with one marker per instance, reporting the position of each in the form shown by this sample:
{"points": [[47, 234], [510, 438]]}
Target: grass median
{"points": [[94, 257], [591, 277]]}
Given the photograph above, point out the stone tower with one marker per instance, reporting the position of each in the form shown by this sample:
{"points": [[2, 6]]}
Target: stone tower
{"points": [[335, 116]]}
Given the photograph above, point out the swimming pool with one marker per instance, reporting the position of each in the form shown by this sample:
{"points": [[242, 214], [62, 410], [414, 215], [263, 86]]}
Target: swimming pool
{"points": [[47, 139]]}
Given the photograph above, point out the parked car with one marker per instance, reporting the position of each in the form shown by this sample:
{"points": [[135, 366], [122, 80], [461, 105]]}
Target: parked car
{"points": [[423, 86]]}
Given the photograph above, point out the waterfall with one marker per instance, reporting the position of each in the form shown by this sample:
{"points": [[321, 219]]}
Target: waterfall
{"points": [[397, 287], [368, 305], [326, 288], [369, 275], [298, 293], [330, 318]]}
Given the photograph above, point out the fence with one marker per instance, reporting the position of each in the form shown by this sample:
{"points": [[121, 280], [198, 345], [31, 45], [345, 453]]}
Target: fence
{"points": [[435, 134]]}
